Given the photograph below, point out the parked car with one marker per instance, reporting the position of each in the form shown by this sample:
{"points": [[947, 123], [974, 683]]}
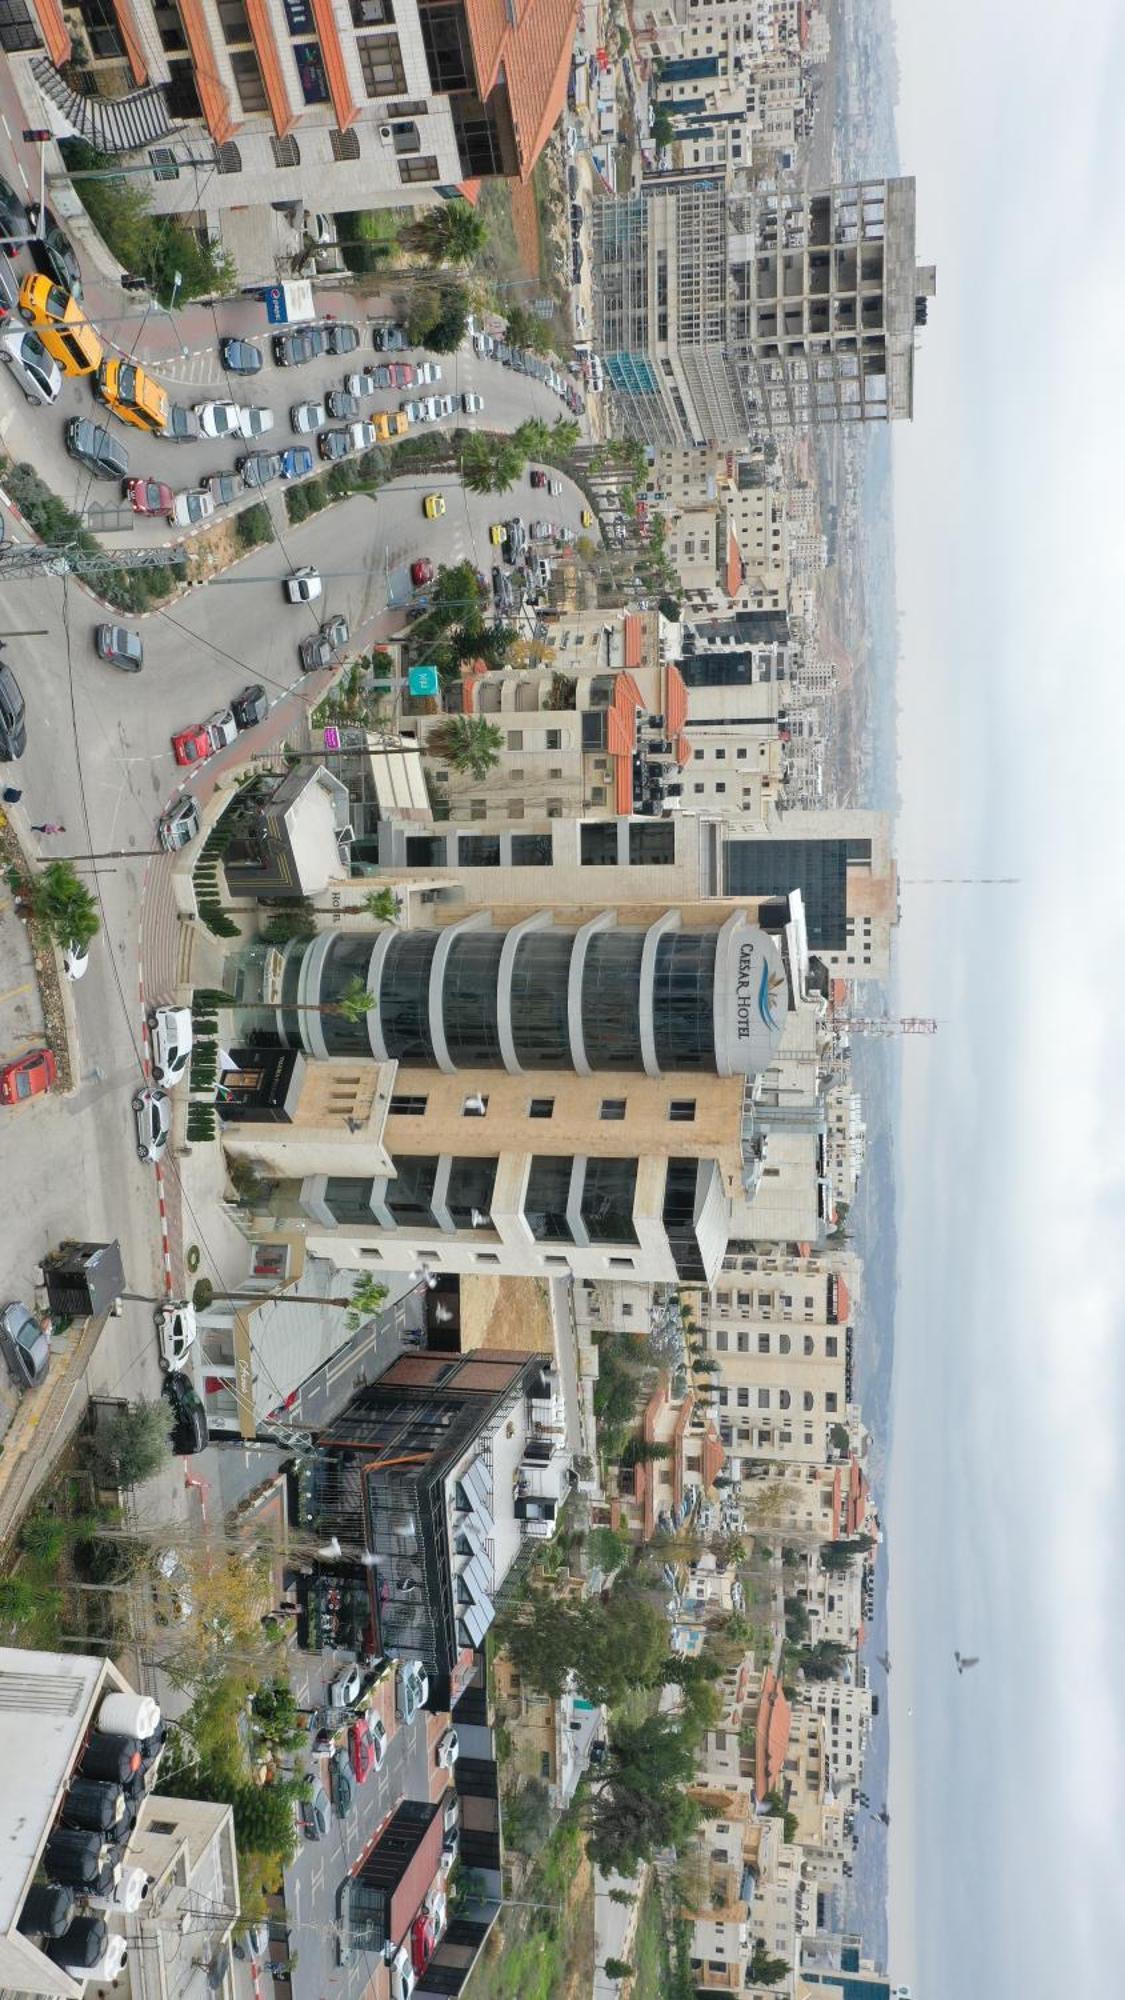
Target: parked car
{"points": [[362, 435], [219, 420], [421, 572], [240, 357], [189, 1432], [428, 409], [175, 1331], [540, 531], [340, 1783], [153, 1116], [222, 728], [181, 426], [448, 1750], [257, 468], [428, 371], [251, 706], [30, 1075], [433, 506], [296, 462], [402, 1975], [76, 961], [179, 825], [319, 649], [382, 375], [364, 384], [24, 354], [27, 1349], [306, 417], [297, 345], [314, 1814], [169, 1043], [13, 725], [94, 447], [254, 1941], [389, 338], [188, 509], [340, 403], [341, 337], [224, 487], [344, 1689], [361, 1750], [192, 746], [254, 422], [119, 647], [149, 496], [413, 1688], [401, 374], [334, 445], [14, 218], [536, 477], [303, 586]]}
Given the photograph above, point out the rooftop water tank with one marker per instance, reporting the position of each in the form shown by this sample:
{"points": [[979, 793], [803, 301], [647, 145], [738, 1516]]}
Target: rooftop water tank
{"points": [[91, 1803], [74, 1856], [129, 1715], [47, 1909], [81, 1945], [115, 1757]]}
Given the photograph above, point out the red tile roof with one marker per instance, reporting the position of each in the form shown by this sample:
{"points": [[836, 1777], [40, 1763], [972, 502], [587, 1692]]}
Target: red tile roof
{"points": [[634, 634], [843, 1301], [471, 672], [675, 699], [527, 44], [55, 31], [772, 1735], [857, 1498], [713, 1455], [734, 572], [683, 751], [335, 65], [837, 1495], [131, 40], [469, 191]]}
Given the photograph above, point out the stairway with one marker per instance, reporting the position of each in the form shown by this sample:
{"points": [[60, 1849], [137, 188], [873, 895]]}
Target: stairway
{"points": [[111, 124]]}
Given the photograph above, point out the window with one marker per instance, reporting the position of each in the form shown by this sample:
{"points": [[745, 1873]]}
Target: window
{"points": [[622, 1264], [541, 1107], [424, 168], [408, 1107], [286, 152], [544, 1763], [380, 59], [763, 1399], [164, 166], [652, 843], [809, 1344], [554, 739], [808, 1400], [474, 1106], [370, 13], [165, 1826], [763, 1343], [406, 136], [311, 71], [532, 850], [479, 850], [345, 145], [784, 1343], [18, 29], [299, 15], [722, 1339], [515, 739], [515, 808], [248, 80], [612, 1108], [445, 40], [831, 1346], [486, 1257], [228, 159], [742, 1398], [599, 844], [233, 22], [681, 1110], [831, 1402]]}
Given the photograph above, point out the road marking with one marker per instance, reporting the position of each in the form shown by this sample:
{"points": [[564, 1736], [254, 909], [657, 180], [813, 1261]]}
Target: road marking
{"points": [[14, 992]]}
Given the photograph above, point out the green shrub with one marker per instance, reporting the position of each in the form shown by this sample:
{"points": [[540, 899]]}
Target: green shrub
{"points": [[367, 238], [203, 1292], [253, 526], [296, 503], [170, 256], [200, 1123]]}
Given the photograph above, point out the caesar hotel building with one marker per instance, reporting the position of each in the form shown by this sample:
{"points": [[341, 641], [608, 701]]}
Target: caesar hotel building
{"points": [[533, 1091]]}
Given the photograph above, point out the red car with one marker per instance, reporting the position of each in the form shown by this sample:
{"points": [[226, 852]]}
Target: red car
{"points": [[421, 572], [423, 1938], [28, 1076], [401, 374], [538, 478], [149, 496], [191, 746], [361, 1750]]}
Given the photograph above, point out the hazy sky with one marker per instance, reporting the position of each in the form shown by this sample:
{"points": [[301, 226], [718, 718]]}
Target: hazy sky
{"points": [[1006, 1503]]}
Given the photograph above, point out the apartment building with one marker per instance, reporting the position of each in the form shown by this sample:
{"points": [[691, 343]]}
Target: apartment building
{"points": [[717, 313], [659, 1496], [784, 1380], [246, 108], [845, 1712]]}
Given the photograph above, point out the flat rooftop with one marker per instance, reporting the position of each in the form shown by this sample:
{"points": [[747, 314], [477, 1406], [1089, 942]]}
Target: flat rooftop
{"points": [[47, 1703]]}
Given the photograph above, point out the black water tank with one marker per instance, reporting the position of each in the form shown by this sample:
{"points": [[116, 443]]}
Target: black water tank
{"points": [[114, 1757], [82, 1944], [91, 1803], [151, 1746], [47, 1909], [73, 1856]]}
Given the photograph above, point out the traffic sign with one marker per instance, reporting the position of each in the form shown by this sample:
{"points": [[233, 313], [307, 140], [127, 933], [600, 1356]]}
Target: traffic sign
{"points": [[331, 737], [423, 681]]}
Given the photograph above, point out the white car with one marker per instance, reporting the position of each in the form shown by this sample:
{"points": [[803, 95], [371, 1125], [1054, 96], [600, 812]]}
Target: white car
{"points": [[413, 412], [448, 1750], [446, 405], [427, 371], [471, 403], [362, 435], [304, 586], [427, 409], [169, 1042], [402, 1975], [304, 417], [253, 423], [75, 960], [572, 140], [39, 377], [344, 1689], [175, 1331], [220, 420], [377, 1731], [554, 486], [360, 385], [413, 1688], [221, 728], [190, 507], [153, 1114]]}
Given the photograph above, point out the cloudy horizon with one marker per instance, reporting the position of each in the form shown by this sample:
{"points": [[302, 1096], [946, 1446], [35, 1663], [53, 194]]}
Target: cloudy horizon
{"points": [[1005, 1488]]}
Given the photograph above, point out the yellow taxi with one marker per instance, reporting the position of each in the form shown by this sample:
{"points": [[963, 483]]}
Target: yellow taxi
{"points": [[496, 534], [433, 506], [587, 518]]}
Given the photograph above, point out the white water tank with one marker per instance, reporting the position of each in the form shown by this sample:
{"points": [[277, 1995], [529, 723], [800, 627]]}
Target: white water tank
{"points": [[128, 1892], [129, 1715]]}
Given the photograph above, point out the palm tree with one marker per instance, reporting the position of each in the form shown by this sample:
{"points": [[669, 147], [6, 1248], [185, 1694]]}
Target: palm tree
{"points": [[451, 233], [533, 437], [467, 742], [491, 465], [354, 1002], [565, 433]]}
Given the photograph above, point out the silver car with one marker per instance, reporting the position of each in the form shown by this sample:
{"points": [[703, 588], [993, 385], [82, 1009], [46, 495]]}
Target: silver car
{"points": [[25, 355], [153, 1114], [27, 1350]]}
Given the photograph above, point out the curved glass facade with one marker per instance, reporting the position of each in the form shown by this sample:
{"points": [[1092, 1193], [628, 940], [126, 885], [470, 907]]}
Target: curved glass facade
{"points": [[683, 998], [539, 1019]]}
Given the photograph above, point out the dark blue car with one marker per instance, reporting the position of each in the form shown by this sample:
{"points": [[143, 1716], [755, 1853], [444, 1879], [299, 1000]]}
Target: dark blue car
{"points": [[296, 462]]}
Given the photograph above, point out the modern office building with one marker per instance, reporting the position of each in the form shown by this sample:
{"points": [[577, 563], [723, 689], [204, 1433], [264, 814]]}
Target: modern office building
{"points": [[842, 863], [244, 108], [447, 1470], [719, 313], [834, 1968]]}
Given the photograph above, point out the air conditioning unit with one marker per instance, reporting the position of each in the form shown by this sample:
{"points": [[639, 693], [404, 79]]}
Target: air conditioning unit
{"points": [[386, 134]]}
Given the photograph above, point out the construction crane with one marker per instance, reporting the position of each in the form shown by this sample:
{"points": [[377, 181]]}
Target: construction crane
{"points": [[27, 559]]}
